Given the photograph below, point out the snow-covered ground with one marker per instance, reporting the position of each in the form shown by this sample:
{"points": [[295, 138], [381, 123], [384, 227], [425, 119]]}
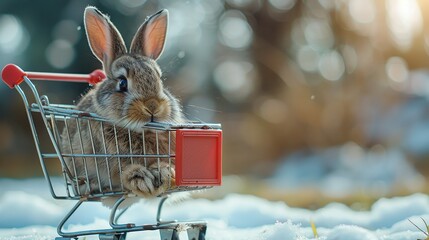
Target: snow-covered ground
{"points": [[28, 212], [346, 169]]}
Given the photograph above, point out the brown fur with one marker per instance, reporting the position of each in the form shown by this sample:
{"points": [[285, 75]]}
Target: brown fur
{"points": [[145, 100]]}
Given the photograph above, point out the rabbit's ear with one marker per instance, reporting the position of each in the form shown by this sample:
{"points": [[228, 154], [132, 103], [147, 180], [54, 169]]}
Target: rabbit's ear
{"points": [[104, 39], [149, 40]]}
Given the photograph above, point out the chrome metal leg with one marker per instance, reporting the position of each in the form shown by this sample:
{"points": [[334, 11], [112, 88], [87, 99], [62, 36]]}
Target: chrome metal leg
{"points": [[158, 213], [169, 234], [168, 229], [73, 210], [119, 236], [121, 212], [197, 232], [113, 219]]}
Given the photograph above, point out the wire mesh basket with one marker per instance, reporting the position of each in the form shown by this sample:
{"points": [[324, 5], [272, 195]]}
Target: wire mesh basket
{"points": [[191, 151]]}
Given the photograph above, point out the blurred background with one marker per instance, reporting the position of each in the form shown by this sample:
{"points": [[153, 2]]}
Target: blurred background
{"points": [[319, 100]]}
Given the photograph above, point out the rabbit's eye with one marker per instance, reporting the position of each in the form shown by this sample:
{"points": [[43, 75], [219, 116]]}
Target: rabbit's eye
{"points": [[122, 85]]}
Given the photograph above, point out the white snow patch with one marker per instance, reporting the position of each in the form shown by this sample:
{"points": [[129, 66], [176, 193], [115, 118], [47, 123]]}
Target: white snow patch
{"points": [[23, 209], [347, 169], [350, 233], [34, 215]]}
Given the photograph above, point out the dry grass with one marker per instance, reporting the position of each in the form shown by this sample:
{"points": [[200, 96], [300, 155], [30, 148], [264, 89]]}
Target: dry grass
{"points": [[426, 233]]}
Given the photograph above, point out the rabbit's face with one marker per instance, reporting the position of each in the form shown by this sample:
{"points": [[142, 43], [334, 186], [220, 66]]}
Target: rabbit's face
{"points": [[133, 94]]}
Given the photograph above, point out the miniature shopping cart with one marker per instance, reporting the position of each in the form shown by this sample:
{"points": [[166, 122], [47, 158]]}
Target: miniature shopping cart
{"points": [[197, 155]]}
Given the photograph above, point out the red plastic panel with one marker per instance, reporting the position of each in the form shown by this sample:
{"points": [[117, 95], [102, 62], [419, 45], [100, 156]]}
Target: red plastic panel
{"points": [[198, 157]]}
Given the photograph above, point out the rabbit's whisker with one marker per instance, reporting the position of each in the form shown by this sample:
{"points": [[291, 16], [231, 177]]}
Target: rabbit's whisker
{"points": [[204, 108]]}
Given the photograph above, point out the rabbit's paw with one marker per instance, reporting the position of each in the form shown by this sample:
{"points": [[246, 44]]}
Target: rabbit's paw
{"points": [[139, 180], [147, 182], [163, 177]]}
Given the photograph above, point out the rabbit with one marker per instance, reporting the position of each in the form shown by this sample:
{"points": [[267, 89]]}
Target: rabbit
{"points": [[131, 96]]}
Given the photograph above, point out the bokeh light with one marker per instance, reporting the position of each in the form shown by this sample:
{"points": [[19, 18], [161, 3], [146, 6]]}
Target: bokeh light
{"points": [[282, 5], [240, 3], [132, 3], [405, 21], [13, 36], [362, 11], [67, 30], [234, 31], [60, 54], [331, 66], [234, 79], [308, 59], [273, 111], [350, 58], [318, 34], [397, 69]]}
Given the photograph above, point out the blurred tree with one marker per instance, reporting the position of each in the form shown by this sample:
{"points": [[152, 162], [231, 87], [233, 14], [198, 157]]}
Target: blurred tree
{"points": [[280, 75]]}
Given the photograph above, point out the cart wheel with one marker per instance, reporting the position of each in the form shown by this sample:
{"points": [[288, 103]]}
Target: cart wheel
{"points": [[169, 234], [120, 236], [197, 232]]}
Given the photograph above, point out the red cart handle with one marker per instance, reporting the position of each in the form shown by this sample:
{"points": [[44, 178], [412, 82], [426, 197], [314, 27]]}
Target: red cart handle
{"points": [[13, 75]]}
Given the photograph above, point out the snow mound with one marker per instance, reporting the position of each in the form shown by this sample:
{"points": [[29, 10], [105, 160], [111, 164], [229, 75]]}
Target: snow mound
{"points": [[25, 209], [347, 169]]}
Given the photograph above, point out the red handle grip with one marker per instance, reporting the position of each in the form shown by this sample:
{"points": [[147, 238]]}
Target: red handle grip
{"points": [[13, 75]]}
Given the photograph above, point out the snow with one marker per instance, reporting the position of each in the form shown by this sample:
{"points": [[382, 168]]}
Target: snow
{"points": [[28, 212], [15, 205], [344, 170]]}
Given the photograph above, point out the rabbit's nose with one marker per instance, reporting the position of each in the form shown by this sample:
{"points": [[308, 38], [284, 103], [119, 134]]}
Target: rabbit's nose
{"points": [[152, 105]]}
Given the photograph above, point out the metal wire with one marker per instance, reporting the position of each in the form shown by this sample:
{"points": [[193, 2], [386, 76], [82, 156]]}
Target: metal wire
{"points": [[95, 158], [158, 159], [72, 157], [131, 147], [119, 158], [83, 158], [144, 147], [106, 158], [73, 150], [90, 162]]}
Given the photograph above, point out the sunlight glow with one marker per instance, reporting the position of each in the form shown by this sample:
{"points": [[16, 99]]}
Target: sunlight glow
{"points": [[405, 21]]}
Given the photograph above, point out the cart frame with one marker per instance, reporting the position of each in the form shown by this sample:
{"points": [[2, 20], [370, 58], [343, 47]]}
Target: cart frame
{"points": [[50, 114]]}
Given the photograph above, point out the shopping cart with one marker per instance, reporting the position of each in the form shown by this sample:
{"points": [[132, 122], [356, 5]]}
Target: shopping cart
{"points": [[196, 149]]}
